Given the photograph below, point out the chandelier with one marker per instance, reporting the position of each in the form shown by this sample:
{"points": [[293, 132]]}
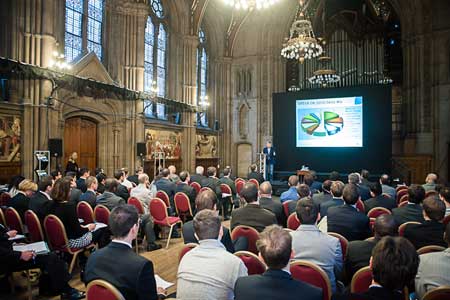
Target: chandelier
{"points": [[325, 75], [250, 4]]}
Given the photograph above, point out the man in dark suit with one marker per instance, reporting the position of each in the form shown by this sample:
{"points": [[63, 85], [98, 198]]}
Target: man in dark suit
{"points": [[119, 264], [266, 201], [229, 200], [359, 252], [431, 231], [198, 176], [325, 195], [101, 178], [365, 178], [255, 174], [135, 178], [363, 190], [109, 197], [90, 196], [412, 212], [122, 191], [346, 219], [75, 193], [315, 186], [270, 153], [41, 200], [184, 187], [81, 182], [378, 199], [337, 188], [276, 283], [212, 182], [303, 191], [166, 185], [252, 214]]}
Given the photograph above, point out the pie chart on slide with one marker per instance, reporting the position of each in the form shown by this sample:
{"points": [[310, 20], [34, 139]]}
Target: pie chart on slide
{"points": [[327, 123]]}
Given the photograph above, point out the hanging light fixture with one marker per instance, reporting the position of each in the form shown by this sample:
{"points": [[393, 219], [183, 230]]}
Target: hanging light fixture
{"points": [[326, 75], [250, 4], [302, 44]]}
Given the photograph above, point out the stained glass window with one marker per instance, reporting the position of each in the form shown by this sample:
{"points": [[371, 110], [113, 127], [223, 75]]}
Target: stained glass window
{"points": [[158, 8], [94, 27], [161, 61], [148, 54], [202, 67], [74, 22]]}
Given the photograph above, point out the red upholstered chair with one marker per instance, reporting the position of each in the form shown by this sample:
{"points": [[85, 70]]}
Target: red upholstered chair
{"points": [[446, 220], [225, 189], [102, 290], [312, 274], [239, 185], [431, 193], [85, 212], [254, 181], [293, 222], [440, 293], [186, 248], [2, 218], [360, 206], [196, 186], [343, 241], [403, 203], [136, 203], [57, 238], [35, 233], [286, 208], [4, 199], [250, 233], [101, 214], [361, 280], [378, 211], [430, 249], [205, 188], [401, 188], [400, 194], [386, 195], [401, 228], [158, 211], [254, 265], [13, 220], [404, 198], [183, 206], [164, 197]]}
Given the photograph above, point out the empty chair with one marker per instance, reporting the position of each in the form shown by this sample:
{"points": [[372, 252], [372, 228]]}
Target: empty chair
{"points": [[164, 197], [101, 214], [102, 290], [183, 206], [35, 233], [85, 212], [312, 274], [158, 210], [250, 233], [252, 262]]}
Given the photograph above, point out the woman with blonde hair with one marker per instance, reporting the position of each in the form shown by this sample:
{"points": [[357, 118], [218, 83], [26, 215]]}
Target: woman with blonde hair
{"points": [[21, 200], [72, 165]]}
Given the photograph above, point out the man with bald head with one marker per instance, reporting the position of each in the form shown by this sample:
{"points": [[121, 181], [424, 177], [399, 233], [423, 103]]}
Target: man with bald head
{"points": [[291, 193], [430, 182], [385, 186], [266, 201]]}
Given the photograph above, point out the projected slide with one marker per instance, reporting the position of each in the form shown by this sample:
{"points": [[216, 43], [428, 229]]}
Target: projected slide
{"points": [[331, 122]]}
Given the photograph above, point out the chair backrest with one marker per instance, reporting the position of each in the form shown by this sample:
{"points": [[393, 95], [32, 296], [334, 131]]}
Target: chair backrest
{"points": [[401, 228], [13, 220], [158, 210], [102, 290], [182, 204], [196, 186], [254, 181], [400, 188], [430, 193], [293, 222], [205, 188], [225, 189], [446, 220], [360, 206], [440, 293], [2, 217], [361, 280], [239, 185], [387, 196], [429, 249], [34, 227], [312, 274], [164, 197], [403, 203], [85, 212], [401, 193], [250, 233], [101, 214], [286, 207], [343, 241], [378, 211], [136, 203], [186, 248], [4, 199], [403, 198], [56, 233], [254, 265]]}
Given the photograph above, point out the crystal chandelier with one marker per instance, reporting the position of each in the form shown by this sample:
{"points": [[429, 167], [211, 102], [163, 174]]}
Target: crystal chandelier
{"points": [[325, 75], [250, 4]]}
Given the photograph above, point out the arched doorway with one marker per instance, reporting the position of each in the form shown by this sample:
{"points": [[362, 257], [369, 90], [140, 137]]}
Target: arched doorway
{"points": [[80, 135]]}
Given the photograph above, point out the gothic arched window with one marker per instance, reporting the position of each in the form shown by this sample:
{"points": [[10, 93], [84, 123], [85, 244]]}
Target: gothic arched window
{"points": [[202, 67]]}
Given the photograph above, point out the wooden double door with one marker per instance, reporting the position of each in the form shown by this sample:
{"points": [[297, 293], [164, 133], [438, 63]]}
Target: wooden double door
{"points": [[80, 135]]}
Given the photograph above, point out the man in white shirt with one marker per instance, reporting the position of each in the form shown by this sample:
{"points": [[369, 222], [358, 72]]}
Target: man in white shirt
{"points": [[125, 181]]}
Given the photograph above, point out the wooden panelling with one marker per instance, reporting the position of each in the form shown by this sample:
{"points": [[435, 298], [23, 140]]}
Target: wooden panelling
{"points": [[80, 135]]}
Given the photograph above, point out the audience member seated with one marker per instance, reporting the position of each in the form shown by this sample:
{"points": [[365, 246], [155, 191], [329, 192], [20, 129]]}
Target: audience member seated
{"points": [[363, 190], [412, 212], [208, 271], [303, 191], [276, 283], [378, 199], [144, 191], [41, 200], [325, 195], [308, 180], [90, 196], [166, 185], [291, 193], [13, 187], [56, 175], [21, 201], [434, 269], [173, 174], [122, 190], [430, 182], [129, 185], [337, 187], [252, 214], [385, 186], [266, 201], [75, 193], [184, 187], [365, 174], [334, 176], [309, 243], [212, 182], [394, 265], [135, 178], [255, 174], [101, 178], [130, 273], [316, 186], [226, 179], [55, 268], [359, 252], [208, 200], [431, 231], [81, 181], [109, 198], [444, 195], [198, 176], [346, 219]]}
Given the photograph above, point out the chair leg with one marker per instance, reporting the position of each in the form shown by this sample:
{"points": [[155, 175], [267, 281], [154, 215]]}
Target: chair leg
{"points": [[72, 263], [30, 294], [170, 235]]}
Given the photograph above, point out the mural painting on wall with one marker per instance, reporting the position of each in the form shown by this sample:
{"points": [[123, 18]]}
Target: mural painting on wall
{"points": [[168, 142], [9, 138], [206, 146]]}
